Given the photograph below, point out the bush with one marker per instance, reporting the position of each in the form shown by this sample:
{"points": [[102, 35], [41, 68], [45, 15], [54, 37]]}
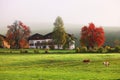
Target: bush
{"points": [[46, 50], [23, 51], [83, 49], [100, 50], [77, 50], [117, 49], [108, 49], [111, 50], [36, 51]]}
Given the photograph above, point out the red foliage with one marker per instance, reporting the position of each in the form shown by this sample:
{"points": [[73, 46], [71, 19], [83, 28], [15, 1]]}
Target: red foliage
{"points": [[23, 25], [92, 36], [23, 43], [17, 35]]}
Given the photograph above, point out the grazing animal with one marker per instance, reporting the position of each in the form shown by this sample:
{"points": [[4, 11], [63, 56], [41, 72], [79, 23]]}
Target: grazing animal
{"points": [[86, 60], [106, 63]]}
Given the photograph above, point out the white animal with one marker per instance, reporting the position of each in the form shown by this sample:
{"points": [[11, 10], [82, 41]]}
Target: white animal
{"points": [[106, 63]]}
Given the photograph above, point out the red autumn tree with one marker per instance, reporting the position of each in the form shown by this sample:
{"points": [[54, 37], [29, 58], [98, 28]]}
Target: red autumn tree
{"points": [[17, 35], [92, 36]]}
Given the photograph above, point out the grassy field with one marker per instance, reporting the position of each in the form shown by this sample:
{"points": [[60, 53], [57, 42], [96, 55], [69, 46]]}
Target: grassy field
{"points": [[59, 67]]}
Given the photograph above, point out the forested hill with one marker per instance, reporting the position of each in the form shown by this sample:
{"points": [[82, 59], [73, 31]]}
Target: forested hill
{"points": [[112, 34]]}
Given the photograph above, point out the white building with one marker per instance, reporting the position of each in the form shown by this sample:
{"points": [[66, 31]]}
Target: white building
{"points": [[46, 41]]}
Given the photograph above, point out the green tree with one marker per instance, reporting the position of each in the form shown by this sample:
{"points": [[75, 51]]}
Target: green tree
{"points": [[59, 34], [70, 40]]}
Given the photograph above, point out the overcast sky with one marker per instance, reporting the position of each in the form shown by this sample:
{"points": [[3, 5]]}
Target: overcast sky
{"points": [[100, 12]]}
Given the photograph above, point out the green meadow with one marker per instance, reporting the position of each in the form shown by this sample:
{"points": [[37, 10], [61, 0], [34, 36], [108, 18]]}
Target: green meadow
{"points": [[59, 66]]}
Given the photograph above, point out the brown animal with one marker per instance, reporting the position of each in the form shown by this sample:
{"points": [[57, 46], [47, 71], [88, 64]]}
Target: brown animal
{"points": [[86, 60]]}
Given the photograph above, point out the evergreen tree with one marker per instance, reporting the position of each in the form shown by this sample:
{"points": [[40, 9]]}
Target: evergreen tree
{"points": [[59, 34]]}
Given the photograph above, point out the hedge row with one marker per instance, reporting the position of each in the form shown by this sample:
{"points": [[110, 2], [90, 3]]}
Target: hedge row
{"points": [[106, 49]]}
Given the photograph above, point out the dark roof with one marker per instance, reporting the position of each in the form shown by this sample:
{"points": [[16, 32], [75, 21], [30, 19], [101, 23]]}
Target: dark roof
{"points": [[36, 36], [2, 36], [48, 36], [69, 34]]}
